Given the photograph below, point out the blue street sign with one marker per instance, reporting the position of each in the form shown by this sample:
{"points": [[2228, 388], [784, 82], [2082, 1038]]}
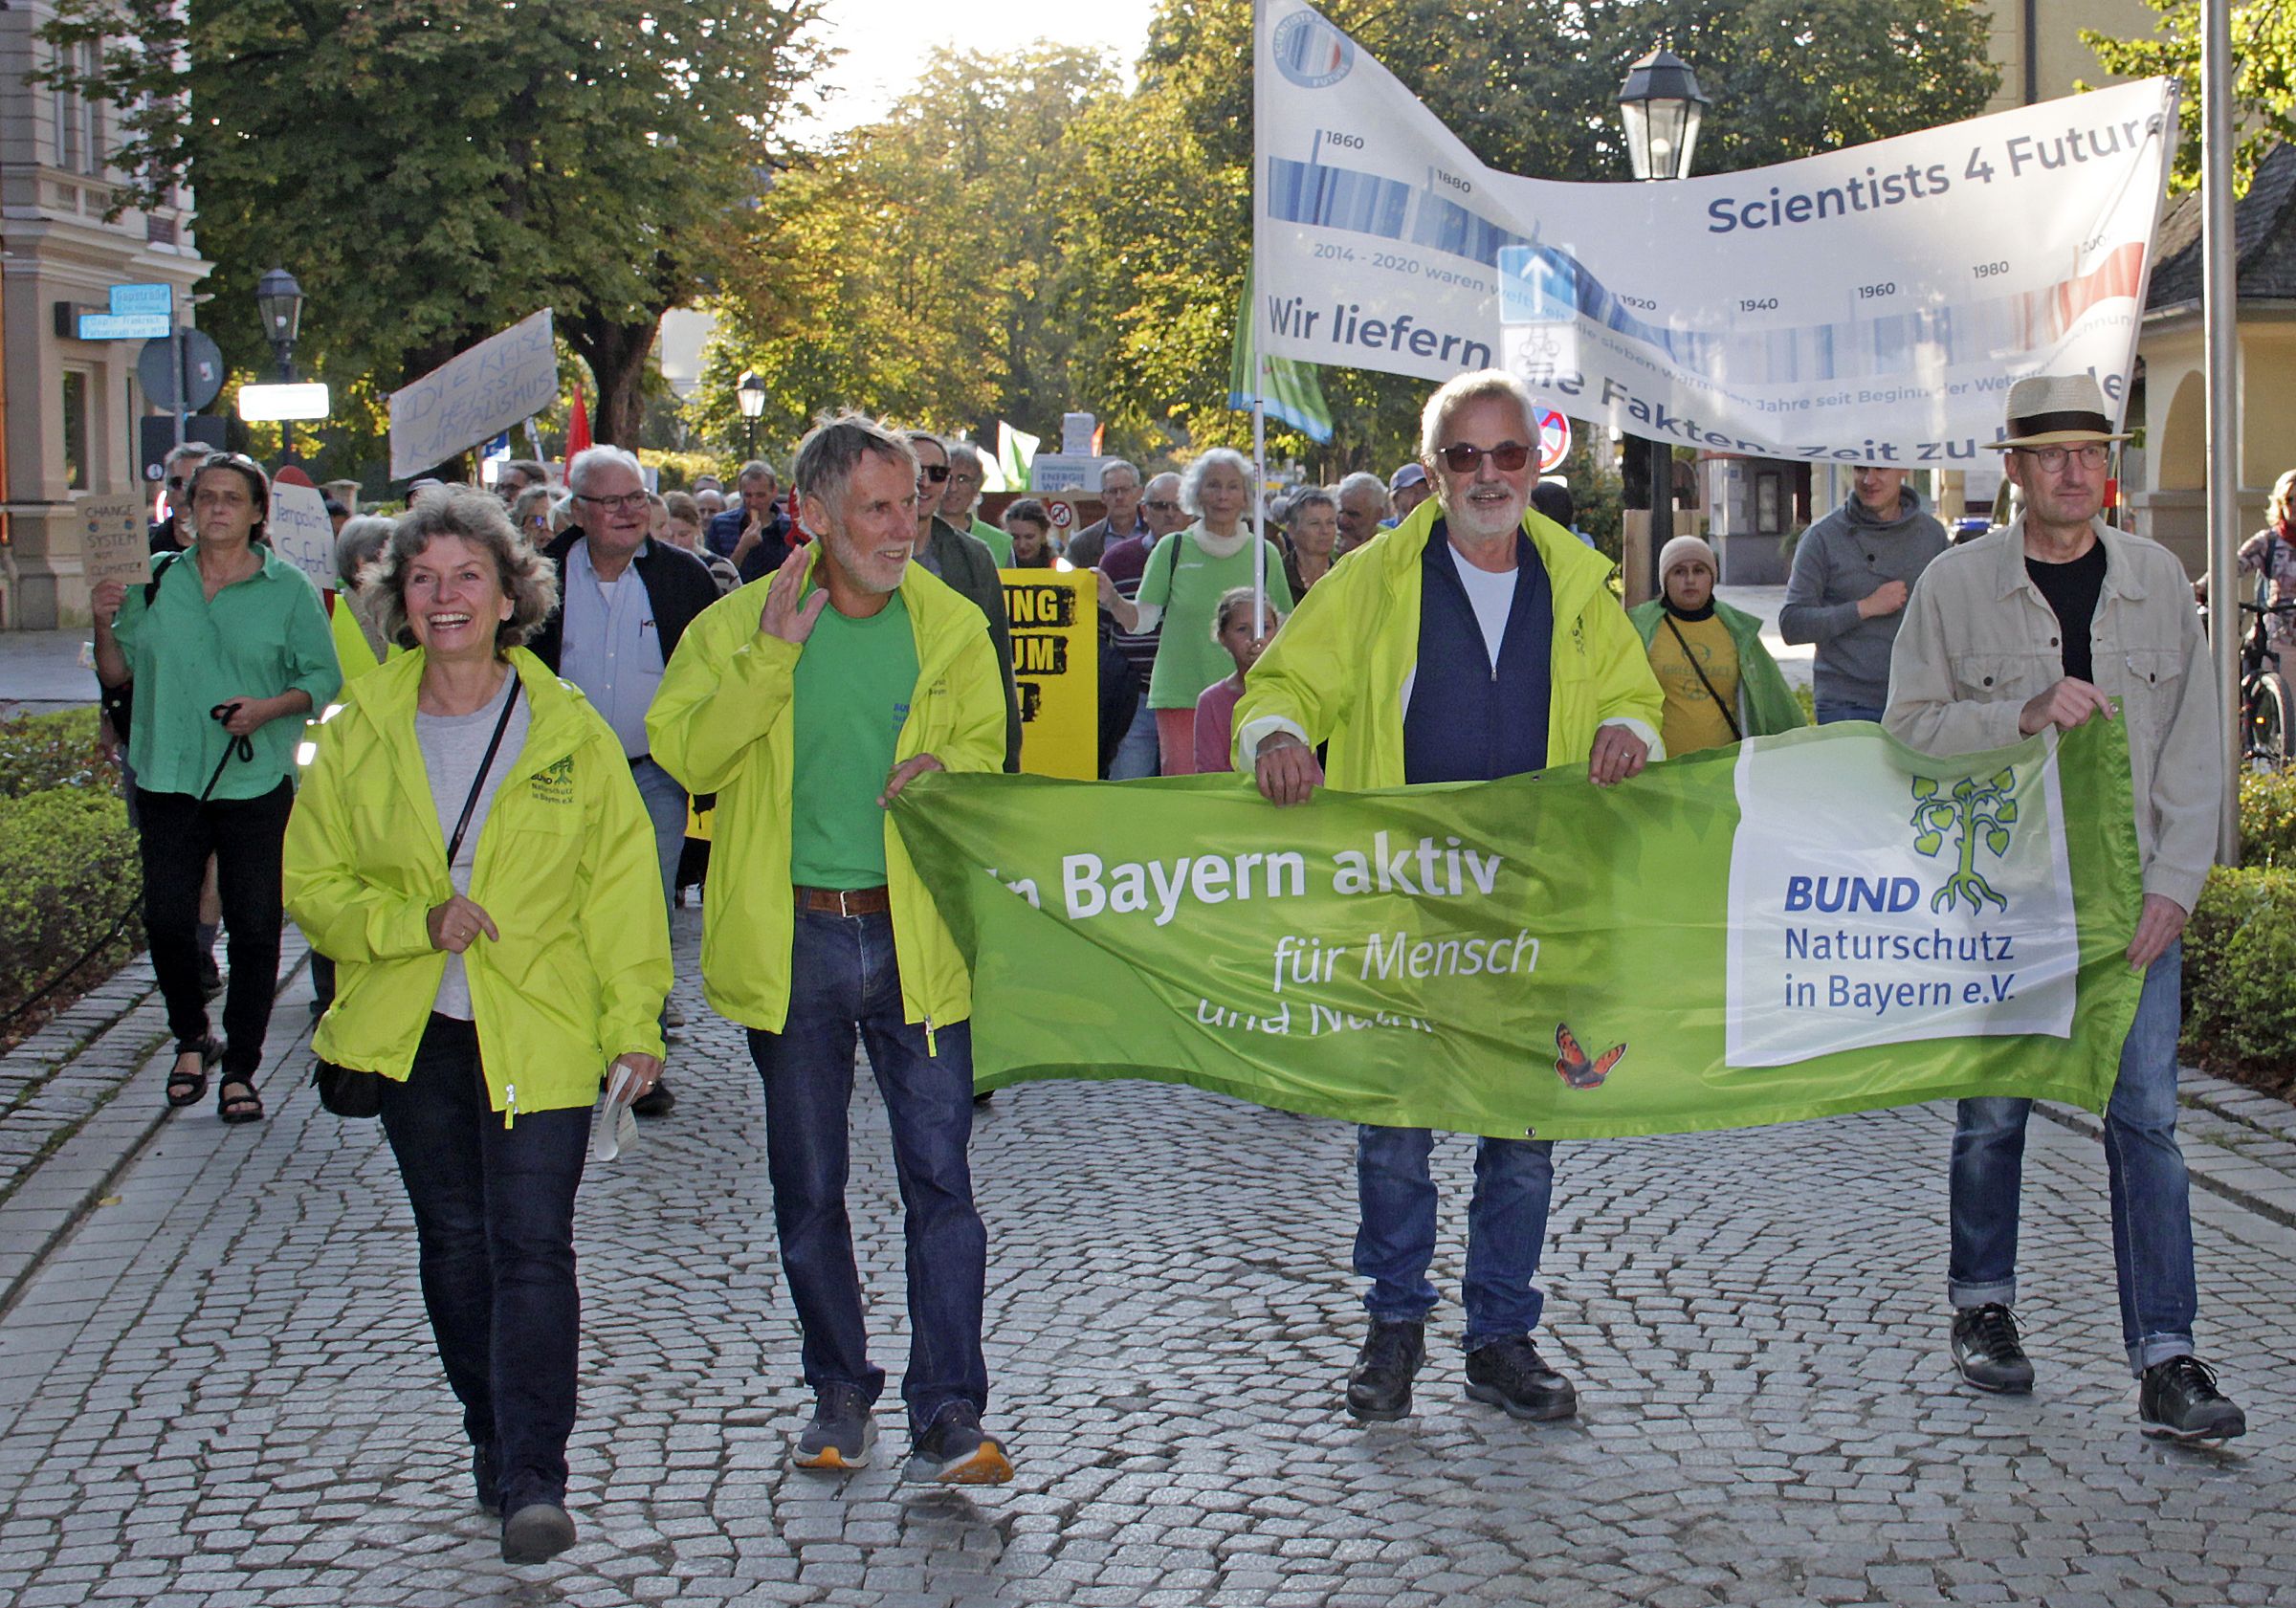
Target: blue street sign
{"points": [[143, 299], [123, 327]]}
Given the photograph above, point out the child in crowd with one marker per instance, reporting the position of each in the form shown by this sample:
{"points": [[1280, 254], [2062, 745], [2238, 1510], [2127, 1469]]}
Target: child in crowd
{"points": [[1246, 639]]}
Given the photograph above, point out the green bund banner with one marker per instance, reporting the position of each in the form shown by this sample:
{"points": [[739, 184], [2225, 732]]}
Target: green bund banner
{"points": [[1818, 922]]}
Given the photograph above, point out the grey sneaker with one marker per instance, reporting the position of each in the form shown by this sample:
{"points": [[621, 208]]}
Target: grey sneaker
{"points": [[2180, 1400], [841, 1433], [954, 1452], [1986, 1350]]}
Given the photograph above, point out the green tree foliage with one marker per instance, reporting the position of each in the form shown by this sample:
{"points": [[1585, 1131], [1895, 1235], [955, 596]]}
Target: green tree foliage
{"points": [[433, 171], [910, 269], [2263, 66]]}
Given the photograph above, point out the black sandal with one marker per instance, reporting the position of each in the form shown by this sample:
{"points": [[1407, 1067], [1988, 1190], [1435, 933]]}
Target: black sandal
{"points": [[188, 1088], [239, 1108]]}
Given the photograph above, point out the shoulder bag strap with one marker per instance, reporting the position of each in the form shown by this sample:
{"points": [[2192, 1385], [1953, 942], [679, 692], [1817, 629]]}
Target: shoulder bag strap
{"points": [[493, 746], [1728, 714]]}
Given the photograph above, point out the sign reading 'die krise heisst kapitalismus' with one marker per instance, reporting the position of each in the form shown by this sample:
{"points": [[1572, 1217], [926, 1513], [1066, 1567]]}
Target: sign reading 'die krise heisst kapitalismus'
{"points": [[1812, 923]]}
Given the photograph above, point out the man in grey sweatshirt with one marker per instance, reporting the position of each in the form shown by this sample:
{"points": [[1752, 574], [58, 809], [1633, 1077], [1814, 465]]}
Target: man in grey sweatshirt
{"points": [[1852, 572]]}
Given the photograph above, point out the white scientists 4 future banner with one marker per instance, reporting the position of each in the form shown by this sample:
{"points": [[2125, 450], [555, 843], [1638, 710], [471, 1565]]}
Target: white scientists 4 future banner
{"points": [[1873, 303]]}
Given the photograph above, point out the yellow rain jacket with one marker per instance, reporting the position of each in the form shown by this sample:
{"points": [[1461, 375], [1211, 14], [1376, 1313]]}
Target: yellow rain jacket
{"points": [[720, 723], [1336, 668], [565, 864]]}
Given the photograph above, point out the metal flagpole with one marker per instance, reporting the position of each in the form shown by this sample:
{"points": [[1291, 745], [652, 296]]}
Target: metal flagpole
{"points": [[2219, 323], [1259, 475]]}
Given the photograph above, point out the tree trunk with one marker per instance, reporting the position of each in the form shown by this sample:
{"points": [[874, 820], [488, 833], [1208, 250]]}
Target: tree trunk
{"points": [[616, 354]]}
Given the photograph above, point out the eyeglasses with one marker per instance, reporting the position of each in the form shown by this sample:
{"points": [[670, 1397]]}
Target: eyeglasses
{"points": [[1160, 505], [936, 473], [1507, 456], [628, 503], [2091, 455]]}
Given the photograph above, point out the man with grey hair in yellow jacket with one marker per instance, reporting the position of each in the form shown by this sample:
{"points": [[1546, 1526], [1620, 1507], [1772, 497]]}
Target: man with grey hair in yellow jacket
{"points": [[1476, 640], [806, 702]]}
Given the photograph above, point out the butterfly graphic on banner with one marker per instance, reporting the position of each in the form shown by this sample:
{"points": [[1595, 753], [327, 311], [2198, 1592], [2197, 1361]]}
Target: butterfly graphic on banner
{"points": [[1572, 1065]]}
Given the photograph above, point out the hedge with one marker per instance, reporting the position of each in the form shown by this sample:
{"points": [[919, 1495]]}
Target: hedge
{"points": [[68, 870]]}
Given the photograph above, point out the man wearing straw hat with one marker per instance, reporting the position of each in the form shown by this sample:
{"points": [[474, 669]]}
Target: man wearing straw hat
{"points": [[2058, 620]]}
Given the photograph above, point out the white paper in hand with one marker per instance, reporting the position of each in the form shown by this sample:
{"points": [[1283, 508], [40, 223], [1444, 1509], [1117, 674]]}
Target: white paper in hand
{"points": [[611, 1124]]}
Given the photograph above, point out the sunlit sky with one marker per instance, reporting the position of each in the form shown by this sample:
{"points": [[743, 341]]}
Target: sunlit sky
{"points": [[884, 40]]}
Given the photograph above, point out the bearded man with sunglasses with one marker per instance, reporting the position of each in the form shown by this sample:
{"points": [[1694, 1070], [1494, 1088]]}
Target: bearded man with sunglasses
{"points": [[2056, 621], [1476, 640]]}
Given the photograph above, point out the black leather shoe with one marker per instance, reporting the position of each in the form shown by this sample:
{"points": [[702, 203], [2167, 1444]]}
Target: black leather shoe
{"points": [[655, 1101], [2179, 1400], [1511, 1375], [536, 1534], [1987, 1351], [1379, 1387]]}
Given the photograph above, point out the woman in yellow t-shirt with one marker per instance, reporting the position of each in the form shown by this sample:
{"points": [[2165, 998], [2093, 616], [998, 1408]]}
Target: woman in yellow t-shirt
{"points": [[1720, 682]]}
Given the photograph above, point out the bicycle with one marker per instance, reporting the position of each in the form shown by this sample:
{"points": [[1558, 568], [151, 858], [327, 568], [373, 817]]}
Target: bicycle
{"points": [[2267, 705]]}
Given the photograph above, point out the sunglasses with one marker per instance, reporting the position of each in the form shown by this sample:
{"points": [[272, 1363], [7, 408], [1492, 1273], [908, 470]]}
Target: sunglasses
{"points": [[1507, 456], [936, 473]]}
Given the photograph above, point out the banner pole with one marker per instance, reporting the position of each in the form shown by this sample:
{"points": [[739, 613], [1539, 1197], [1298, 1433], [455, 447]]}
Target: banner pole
{"points": [[2222, 344], [1259, 479]]}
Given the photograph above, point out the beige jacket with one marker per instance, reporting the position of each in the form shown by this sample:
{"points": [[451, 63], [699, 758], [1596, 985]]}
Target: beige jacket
{"points": [[1980, 639]]}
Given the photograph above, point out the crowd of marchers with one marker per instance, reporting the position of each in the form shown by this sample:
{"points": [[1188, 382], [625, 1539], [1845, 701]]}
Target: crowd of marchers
{"points": [[470, 785]]}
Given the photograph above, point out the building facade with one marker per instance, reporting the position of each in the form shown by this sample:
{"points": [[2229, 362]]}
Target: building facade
{"points": [[69, 428]]}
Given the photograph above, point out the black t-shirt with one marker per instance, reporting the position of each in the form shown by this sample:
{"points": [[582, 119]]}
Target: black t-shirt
{"points": [[2072, 590]]}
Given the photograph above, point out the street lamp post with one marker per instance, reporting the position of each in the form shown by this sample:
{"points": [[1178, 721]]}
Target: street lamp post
{"points": [[1660, 107], [750, 393], [279, 300]]}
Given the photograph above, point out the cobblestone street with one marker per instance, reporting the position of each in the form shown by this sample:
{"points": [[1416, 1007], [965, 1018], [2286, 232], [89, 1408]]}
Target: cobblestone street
{"points": [[220, 1387]]}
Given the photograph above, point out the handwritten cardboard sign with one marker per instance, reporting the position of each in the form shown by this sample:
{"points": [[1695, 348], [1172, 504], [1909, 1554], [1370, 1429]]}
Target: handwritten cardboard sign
{"points": [[473, 397], [115, 542], [302, 533]]}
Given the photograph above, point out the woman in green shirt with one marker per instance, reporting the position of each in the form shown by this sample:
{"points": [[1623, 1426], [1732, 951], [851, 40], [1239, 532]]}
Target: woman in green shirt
{"points": [[1186, 575], [229, 649]]}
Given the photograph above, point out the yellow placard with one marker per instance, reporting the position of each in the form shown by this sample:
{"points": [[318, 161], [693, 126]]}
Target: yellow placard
{"points": [[1056, 618]]}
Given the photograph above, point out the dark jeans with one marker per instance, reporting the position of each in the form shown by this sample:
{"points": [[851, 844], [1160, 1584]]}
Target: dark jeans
{"points": [[843, 984], [2150, 1188], [493, 1217], [178, 833], [1506, 1230]]}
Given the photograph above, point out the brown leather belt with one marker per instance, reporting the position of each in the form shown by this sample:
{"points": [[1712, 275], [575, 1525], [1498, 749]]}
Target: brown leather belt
{"points": [[843, 901]]}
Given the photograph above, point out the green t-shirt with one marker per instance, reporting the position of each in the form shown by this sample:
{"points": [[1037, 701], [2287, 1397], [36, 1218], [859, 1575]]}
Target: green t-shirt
{"points": [[850, 697], [999, 542], [1186, 583]]}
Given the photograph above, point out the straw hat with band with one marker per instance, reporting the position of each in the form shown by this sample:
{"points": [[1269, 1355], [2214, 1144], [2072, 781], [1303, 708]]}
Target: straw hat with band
{"points": [[2056, 410]]}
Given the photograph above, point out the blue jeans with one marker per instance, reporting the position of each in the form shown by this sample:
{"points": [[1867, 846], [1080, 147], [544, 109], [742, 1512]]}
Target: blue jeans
{"points": [[666, 807], [1830, 710], [843, 982], [494, 1219], [2152, 1214], [1136, 754], [1506, 1229]]}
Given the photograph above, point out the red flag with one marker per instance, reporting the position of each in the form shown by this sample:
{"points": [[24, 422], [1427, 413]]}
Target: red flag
{"points": [[578, 429]]}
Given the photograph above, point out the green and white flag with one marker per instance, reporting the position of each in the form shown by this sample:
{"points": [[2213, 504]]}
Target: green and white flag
{"points": [[1818, 922]]}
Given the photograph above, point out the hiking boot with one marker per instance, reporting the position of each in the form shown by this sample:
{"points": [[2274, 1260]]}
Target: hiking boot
{"points": [[841, 1433], [954, 1452], [1511, 1375], [2179, 1400], [1379, 1386], [1986, 1351]]}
